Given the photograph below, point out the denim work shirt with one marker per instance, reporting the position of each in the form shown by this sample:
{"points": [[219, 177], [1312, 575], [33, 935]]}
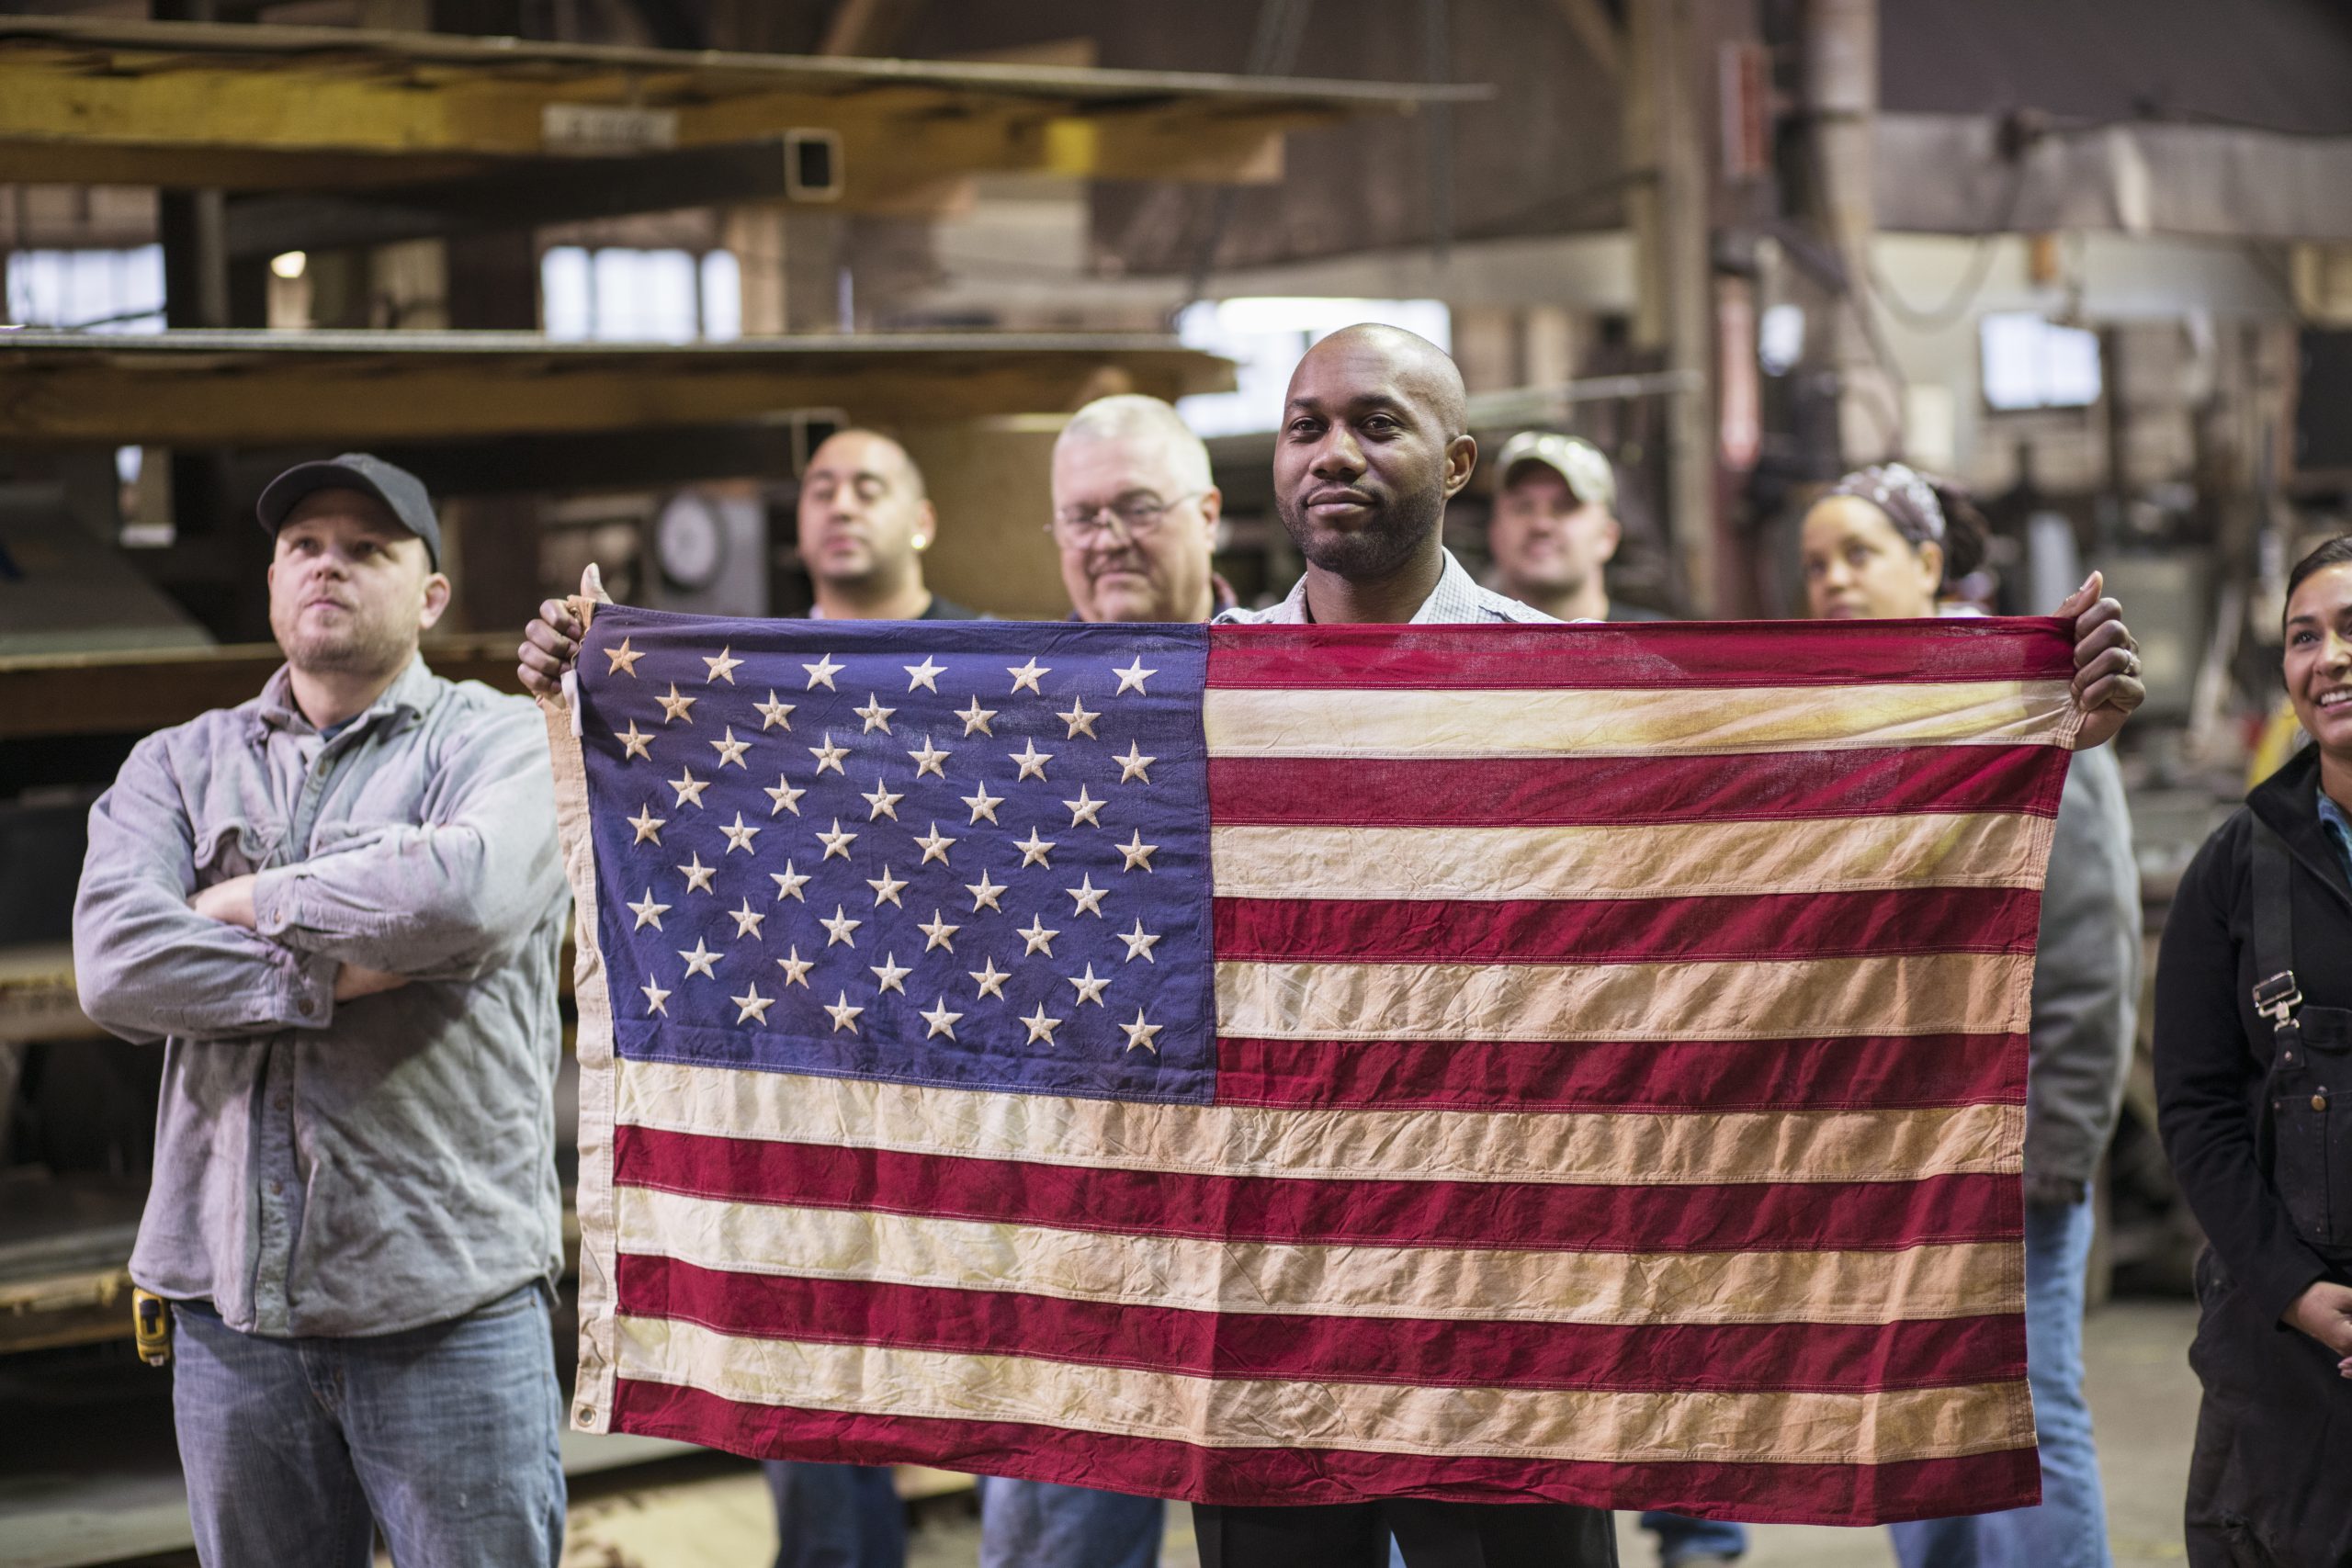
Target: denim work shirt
{"points": [[2338, 828], [367, 1166]]}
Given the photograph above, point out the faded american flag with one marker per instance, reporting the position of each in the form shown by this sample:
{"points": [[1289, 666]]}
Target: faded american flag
{"points": [[1289, 1065]]}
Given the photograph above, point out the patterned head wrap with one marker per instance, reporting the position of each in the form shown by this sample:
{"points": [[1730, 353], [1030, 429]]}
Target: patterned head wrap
{"points": [[1897, 490]]}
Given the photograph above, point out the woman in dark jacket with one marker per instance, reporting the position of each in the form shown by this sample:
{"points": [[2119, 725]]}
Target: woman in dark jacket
{"points": [[2254, 1084]]}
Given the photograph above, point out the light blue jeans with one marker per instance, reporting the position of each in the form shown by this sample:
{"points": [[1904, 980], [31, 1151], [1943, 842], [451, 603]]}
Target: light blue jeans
{"points": [[2069, 1529], [1037, 1524], [445, 1437], [836, 1516], [1681, 1537]]}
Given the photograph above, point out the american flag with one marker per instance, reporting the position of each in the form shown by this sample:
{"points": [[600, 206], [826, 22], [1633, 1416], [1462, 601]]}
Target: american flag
{"points": [[1294, 1065]]}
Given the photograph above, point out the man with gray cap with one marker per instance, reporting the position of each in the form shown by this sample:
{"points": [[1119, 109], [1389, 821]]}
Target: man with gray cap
{"points": [[1555, 528], [337, 906]]}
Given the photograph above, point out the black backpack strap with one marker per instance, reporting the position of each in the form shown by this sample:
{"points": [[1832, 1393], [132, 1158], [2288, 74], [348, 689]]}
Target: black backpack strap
{"points": [[2276, 995]]}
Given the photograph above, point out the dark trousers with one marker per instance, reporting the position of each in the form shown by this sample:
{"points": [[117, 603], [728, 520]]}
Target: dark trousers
{"points": [[1433, 1535], [2267, 1483]]}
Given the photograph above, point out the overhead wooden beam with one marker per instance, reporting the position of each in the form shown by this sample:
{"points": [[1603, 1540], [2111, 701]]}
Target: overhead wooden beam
{"points": [[254, 107], [235, 388], [46, 695], [526, 194]]}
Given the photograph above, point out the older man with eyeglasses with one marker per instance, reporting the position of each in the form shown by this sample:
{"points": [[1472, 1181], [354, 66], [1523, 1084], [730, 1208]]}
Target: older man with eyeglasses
{"points": [[1136, 515]]}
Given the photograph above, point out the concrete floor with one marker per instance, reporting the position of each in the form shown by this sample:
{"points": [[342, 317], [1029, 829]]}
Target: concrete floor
{"points": [[2143, 1398]]}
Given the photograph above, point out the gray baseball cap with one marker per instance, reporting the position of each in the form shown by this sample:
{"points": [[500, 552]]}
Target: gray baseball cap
{"points": [[1584, 466], [369, 475]]}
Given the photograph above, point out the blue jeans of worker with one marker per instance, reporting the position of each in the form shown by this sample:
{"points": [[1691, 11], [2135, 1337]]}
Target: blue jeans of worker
{"points": [[1037, 1524], [444, 1437], [1681, 1537], [2069, 1529], [837, 1516]]}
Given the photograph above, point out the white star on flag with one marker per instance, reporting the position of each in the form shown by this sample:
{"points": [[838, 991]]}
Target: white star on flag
{"points": [[929, 759], [1139, 942], [1037, 936], [1082, 811], [624, 662], [984, 803], [942, 1021], [1087, 897], [888, 972], [1140, 1033], [985, 893], [740, 836], [1032, 850], [786, 798], [1135, 765], [796, 968], [925, 674], [1032, 761], [675, 706], [773, 715], [789, 882], [990, 978], [821, 673], [698, 874], [1040, 1026], [1090, 988], [1081, 722], [699, 961], [836, 842], [881, 802], [648, 826], [648, 913], [844, 1015], [1133, 676], [887, 888], [722, 668], [937, 932], [689, 788], [747, 920], [837, 929], [934, 845], [654, 996], [830, 756], [1138, 854], [876, 716], [1026, 675], [976, 717], [755, 1006], [637, 742], [730, 749]]}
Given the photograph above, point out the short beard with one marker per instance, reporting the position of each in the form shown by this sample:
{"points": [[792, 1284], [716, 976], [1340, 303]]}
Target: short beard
{"points": [[1394, 537], [368, 651]]}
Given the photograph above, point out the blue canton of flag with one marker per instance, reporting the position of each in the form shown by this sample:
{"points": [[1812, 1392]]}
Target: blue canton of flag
{"points": [[971, 855]]}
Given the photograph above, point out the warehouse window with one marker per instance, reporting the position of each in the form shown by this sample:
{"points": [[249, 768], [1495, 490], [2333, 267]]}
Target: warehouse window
{"points": [[615, 294], [2030, 362], [1265, 338], [99, 291]]}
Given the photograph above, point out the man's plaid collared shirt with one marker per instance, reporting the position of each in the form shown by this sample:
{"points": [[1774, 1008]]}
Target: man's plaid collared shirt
{"points": [[1458, 600]]}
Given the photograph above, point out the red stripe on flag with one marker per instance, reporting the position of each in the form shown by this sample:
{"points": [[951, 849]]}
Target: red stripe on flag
{"points": [[1629, 931], [1557, 1217], [1810, 1494], [1865, 1073], [1511, 792], [1679, 655], [1292, 1348]]}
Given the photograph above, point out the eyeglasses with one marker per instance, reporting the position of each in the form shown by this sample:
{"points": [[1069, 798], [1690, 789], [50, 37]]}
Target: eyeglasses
{"points": [[1140, 515]]}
